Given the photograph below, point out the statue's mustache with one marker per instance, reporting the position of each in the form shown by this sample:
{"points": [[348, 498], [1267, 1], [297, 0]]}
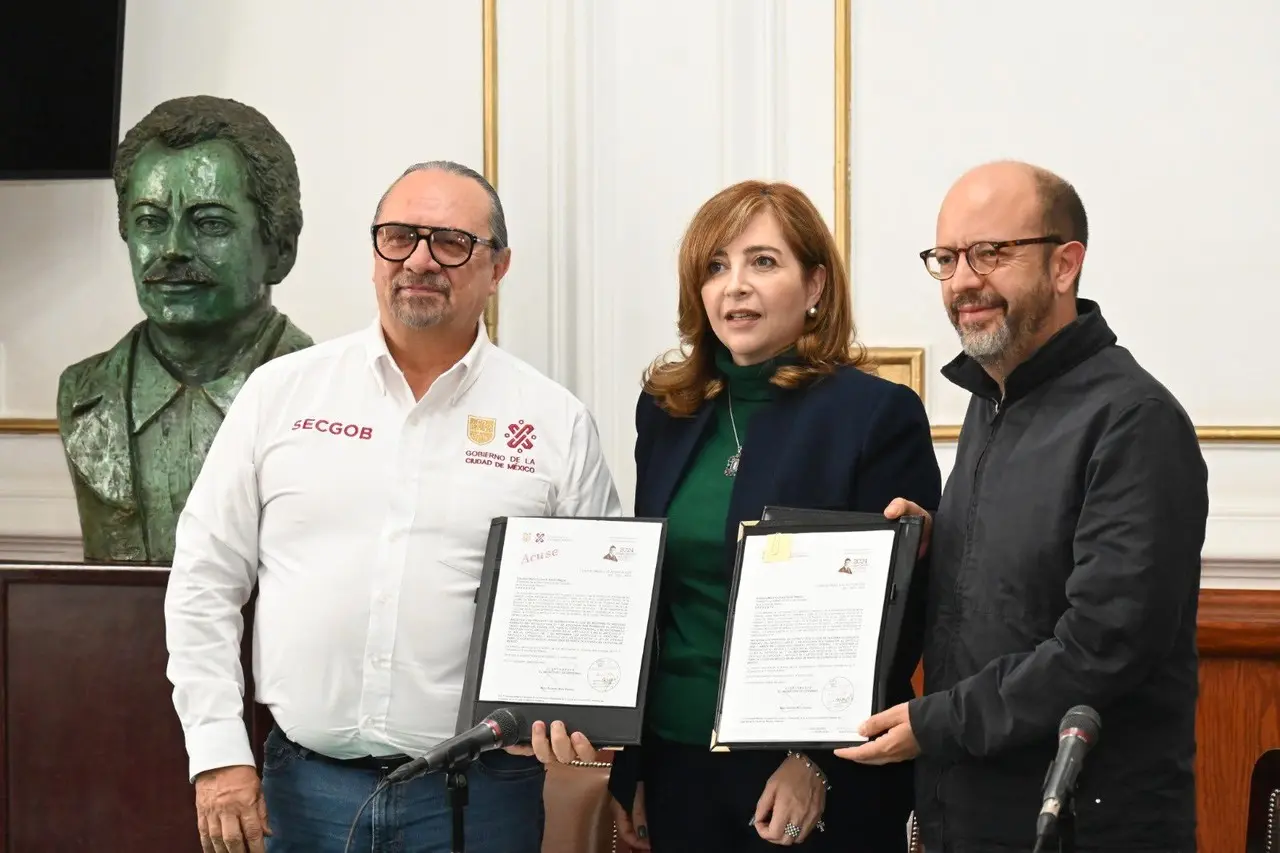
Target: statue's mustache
{"points": [[165, 271]]}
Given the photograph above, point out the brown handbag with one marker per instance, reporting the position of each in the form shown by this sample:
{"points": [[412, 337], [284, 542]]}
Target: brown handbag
{"points": [[577, 804]]}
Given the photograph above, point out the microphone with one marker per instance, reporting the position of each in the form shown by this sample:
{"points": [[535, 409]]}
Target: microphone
{"points": [[1077, 733], [496, 731]]}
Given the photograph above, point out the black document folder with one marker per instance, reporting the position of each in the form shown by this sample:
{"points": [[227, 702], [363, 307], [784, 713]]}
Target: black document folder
{"points": [[613, 725], [791, 523]]}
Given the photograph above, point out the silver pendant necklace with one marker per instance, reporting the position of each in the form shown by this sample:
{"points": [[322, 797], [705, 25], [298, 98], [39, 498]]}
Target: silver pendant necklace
{"points": [[731, 467]]}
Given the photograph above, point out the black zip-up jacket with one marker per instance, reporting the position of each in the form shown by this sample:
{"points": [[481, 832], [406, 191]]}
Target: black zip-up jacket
{"points": [[1065, 570]]}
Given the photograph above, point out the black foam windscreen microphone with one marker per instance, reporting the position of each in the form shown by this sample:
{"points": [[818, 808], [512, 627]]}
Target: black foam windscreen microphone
{"points": [[496, 731], [1077, 733]]}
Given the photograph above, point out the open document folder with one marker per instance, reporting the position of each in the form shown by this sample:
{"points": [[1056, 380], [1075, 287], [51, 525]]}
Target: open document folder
{"points": [[564, 625], [815, 611]]}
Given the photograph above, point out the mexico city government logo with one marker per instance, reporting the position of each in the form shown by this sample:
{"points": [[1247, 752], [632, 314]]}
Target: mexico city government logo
{"points": [[520, 436]]}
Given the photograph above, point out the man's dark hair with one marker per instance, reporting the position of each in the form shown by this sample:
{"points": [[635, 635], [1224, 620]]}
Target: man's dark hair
{"points": [[1063, 210], [273, 171], [497, 218]]}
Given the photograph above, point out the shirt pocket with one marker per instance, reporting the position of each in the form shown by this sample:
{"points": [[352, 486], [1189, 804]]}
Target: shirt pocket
{"points": [[472, 499]]}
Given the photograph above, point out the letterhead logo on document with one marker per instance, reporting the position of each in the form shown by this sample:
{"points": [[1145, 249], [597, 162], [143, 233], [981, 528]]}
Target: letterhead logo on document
{"points": [[481, 430], [852, 565], [619, 553], [538, 537]]}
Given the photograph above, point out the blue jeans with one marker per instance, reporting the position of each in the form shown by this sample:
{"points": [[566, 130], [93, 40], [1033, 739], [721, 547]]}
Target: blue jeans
{"points": [[311, 803]]}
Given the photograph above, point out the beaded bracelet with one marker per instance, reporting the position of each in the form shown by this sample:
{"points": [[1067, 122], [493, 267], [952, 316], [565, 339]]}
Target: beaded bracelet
{"points": [[817, 771]]}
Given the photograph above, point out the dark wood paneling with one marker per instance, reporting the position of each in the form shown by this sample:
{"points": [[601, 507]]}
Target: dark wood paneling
{"points": [[1239, 711], [91, 750], [92, 753]]}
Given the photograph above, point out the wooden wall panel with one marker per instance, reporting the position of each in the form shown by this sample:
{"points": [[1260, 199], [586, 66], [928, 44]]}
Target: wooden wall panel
{"points": [[1239, 713], [92, 748]]}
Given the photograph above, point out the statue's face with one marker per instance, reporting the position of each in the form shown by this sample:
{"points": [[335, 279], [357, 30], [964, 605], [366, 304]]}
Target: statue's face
{"points": [[198, 254]]}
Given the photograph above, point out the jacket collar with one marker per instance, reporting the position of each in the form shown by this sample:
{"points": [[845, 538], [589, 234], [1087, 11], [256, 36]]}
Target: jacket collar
{"points": [[1076, 342], [154, 387], [97, 441]]}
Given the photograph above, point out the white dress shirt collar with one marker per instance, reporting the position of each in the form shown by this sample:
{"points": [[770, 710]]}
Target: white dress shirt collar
{"points": [[386, 372]]}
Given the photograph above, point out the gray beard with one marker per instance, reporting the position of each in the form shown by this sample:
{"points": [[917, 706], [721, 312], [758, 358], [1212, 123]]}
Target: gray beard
{"points": [[986, 348], [417, 312], [420, 311], [1008, 341]]}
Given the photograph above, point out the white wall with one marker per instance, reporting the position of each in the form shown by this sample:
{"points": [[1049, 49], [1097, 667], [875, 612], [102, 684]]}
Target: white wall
{"points": [[619, 119], [1155, 111]]}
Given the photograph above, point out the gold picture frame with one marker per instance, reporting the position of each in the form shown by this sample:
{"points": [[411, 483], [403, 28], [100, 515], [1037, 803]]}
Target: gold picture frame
{"points": [[28, 426], [1233, 434], [489, 58], [904, 365]]}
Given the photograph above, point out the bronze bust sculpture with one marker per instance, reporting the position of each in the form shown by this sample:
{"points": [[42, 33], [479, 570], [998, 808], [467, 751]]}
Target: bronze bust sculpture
{"points": [[210, 208]]}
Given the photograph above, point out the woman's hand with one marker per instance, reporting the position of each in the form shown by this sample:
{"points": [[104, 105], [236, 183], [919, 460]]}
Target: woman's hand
{"points": [[792, 803], [559, 748], [632, 827]]}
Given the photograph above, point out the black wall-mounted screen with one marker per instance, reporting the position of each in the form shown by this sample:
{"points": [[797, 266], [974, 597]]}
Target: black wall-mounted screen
{"points": [[59, 87]]}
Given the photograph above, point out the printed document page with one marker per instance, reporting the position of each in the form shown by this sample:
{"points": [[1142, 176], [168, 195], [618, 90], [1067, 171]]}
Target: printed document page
{"points": [[805, 633], [571, 612]]}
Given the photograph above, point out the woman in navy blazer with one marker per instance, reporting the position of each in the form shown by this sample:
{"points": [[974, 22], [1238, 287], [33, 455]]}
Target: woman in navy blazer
{"points": [[768, 403]]}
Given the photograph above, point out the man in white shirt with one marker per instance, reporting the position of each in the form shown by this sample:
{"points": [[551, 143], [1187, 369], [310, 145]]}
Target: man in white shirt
{"points": [[354, 483]]}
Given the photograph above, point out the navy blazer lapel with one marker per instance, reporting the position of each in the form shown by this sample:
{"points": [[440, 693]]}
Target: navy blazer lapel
{"points": [[675, 453]]}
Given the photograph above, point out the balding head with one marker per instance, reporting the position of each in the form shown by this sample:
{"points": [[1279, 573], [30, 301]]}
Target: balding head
{"points": [[1007, 183], [1010, 194], [1024, 230]]}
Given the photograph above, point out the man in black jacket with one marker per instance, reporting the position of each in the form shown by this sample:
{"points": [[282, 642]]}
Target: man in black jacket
{"points": [[1064, 559]]}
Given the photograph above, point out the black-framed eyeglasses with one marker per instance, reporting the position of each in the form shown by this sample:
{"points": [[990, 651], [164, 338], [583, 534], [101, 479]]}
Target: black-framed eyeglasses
{"points": [[450, 247], [983, 258]]}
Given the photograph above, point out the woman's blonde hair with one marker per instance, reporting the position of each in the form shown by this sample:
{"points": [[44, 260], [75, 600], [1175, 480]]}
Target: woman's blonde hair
{"points": [[683, 379]]}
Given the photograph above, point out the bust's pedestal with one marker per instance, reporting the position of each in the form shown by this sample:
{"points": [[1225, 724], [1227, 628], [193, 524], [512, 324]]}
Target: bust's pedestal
{"points": [[91, 750]]}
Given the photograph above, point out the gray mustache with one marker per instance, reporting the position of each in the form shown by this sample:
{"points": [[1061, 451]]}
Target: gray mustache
{"points": [[402, 281]]}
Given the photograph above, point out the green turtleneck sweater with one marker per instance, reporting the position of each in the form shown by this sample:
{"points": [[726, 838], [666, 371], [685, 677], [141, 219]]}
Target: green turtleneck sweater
{"points": [[682, 699]]}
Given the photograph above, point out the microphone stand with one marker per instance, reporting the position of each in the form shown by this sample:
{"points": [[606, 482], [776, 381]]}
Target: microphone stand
{"points": [[1067, 827], [1065, 830], [456, 796]]}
